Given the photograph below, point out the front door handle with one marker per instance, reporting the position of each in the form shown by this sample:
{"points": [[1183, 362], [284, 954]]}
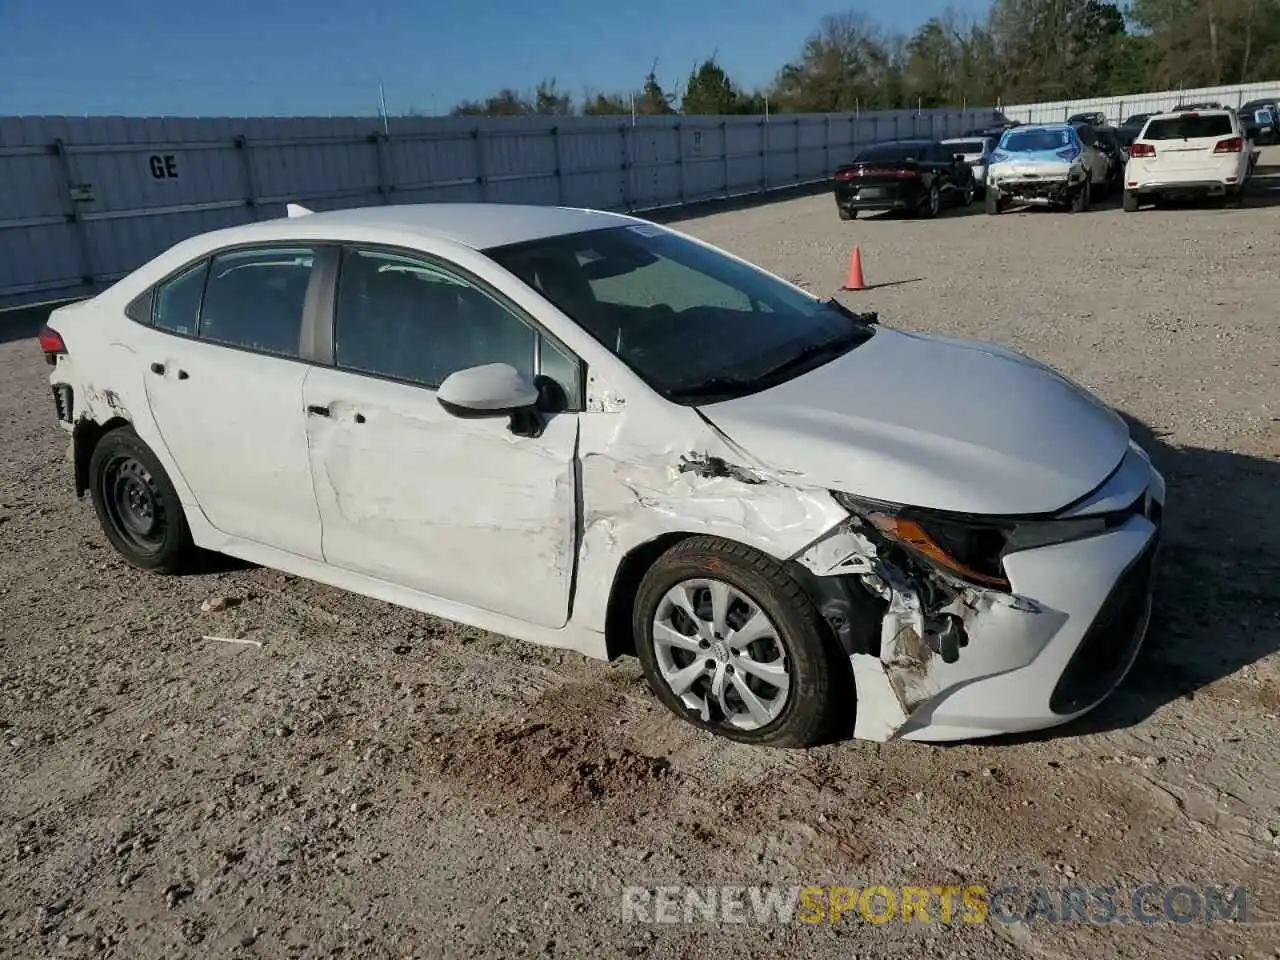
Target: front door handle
{"points": [[317, 410]]}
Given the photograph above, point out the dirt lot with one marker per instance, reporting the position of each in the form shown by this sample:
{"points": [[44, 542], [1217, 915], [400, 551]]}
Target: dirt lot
{"points": [[372, 783]]}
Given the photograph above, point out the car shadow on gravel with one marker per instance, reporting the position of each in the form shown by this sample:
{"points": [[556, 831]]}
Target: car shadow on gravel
{"points": [[1216, 608]]}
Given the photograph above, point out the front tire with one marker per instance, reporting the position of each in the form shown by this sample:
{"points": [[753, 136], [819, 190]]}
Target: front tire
{"points": [[1080, 202], [136, 504], [730, 642], [993, 202]]}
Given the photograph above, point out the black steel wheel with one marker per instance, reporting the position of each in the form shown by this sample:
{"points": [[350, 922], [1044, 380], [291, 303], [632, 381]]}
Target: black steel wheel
{"points": [[137, 505]]}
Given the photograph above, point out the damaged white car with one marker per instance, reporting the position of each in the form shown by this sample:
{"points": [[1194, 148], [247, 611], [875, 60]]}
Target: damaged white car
{"points": [[1050, 165], [591, 432]]}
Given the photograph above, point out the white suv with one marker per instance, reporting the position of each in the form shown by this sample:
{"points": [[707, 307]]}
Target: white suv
{"points": [[1201, 153]]}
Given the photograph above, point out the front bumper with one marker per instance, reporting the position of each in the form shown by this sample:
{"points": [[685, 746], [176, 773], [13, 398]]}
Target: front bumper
{"points": [[1042, 655], [1044, 190]]}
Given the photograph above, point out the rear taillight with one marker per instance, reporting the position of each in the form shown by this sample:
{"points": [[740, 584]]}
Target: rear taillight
{"points": [[1142, 150], [1232, 145], [844, 174], [51, 344]]}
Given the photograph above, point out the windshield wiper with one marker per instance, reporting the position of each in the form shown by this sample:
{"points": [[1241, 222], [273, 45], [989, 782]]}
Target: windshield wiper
{"points": [[833, 348], [714, 387]]}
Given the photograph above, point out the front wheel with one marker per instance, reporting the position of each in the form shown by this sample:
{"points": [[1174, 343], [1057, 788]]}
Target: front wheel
{"points": [[730, 642], [137, 505], [970, 192], [993, 202], [1080, 202]]}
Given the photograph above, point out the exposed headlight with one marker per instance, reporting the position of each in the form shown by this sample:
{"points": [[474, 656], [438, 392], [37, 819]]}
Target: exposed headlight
{"points": [[970, 548]]}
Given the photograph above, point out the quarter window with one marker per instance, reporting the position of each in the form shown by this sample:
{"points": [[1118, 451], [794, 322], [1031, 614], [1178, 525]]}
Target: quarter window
{"points": [[254, 298], [177, 304], [404, 318]]}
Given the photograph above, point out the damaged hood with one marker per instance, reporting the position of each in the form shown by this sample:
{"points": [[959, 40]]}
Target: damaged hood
{"points": [[933, 422]]}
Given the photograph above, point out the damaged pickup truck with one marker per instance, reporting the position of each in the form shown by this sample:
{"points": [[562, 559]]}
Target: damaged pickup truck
{"points": [[588, 431], [1056, 165]]}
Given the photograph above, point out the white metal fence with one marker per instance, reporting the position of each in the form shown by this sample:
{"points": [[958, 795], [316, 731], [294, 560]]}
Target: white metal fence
{"points": [[85, 200], [1116, 109]]}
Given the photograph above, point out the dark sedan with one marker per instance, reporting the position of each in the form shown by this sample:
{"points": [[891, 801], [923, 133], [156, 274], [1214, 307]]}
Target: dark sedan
{"points": [[919, 177]]}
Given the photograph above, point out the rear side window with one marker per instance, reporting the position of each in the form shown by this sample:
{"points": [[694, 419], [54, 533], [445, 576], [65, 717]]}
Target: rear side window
{"points": [[967, 146], [254, 298], [1189, 127], [177, 303]]}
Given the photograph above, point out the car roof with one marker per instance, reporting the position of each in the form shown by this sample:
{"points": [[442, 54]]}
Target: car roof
{"points": [[1032, 127], [475, 225], [1215, 112], [904, 142]]}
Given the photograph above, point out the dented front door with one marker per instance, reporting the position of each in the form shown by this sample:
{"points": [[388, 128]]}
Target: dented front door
{"points": [[460, 509]]}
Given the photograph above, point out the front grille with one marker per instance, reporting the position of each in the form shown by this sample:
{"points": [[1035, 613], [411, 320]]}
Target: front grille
{"points": [[64, 400], [1112, 640]]}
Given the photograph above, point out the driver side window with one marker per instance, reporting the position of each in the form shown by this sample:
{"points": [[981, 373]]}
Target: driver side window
{"points": [[410, 319]]}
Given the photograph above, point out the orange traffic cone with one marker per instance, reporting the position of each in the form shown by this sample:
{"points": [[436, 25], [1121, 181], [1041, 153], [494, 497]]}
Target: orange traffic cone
{"points": [[855, 281]]}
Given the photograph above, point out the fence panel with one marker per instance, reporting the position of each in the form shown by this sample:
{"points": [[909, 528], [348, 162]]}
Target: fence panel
{"points": [[85, 199]]}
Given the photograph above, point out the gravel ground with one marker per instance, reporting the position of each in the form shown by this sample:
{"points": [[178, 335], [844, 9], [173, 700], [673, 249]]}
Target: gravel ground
{"points": [[373, 783]]}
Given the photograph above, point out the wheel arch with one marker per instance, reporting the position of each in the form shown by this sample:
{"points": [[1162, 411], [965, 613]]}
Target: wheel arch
{"points": [[85, 436], [851, 615]]}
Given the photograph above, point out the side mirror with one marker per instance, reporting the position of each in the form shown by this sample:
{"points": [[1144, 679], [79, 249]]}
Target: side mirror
{"points": [[492, 390]]}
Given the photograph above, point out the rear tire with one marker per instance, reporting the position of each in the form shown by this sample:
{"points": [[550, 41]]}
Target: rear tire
{"points": [[794, 646], [1234, 198], [137, 506], [846, 213], [930, 204], [1131, 202]]}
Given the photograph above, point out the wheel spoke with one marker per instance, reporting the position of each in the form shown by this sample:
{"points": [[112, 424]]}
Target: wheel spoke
{"points": [[759, 712], [721, 599], [668, 636], [773, 673], [718, 688], [683, 679], [756, 628], [679, 596]]}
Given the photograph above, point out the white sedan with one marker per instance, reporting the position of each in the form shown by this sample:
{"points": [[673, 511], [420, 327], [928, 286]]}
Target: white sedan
{"points": [[592, 432], [1202, 153]]}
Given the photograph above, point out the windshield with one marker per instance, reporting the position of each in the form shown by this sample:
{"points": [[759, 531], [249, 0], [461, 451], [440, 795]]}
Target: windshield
{"points": [[693, 323], [1188, 127], [892, 151], [1034, 141]]}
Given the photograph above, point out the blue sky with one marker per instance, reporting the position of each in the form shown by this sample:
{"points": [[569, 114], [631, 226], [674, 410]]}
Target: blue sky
{"points": [[326, 57]]}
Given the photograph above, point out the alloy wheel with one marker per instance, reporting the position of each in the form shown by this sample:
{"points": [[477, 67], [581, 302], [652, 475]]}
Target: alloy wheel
{"points": [[720, 654]]}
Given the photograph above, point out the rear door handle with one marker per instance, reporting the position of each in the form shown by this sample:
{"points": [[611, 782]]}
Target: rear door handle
{"points": [[157, 368], [317, 410]]}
